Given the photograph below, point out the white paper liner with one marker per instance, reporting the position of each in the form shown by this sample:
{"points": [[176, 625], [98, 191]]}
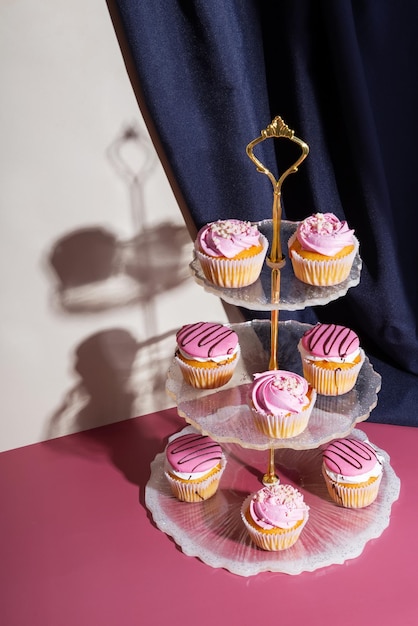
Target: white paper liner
{"points": [[283, 539], [356, 497], [280, 427], [208, 377], [196, 491], [233, 273], [332, 382], [322, 273]]}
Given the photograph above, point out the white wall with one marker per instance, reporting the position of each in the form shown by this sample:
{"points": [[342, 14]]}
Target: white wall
{"points": [[88, 314]]}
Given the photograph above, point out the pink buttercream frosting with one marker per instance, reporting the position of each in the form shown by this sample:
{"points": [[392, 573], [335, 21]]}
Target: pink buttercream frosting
{"points": [[330, 340], [278, 392], [324, 233], [349, 457], [227, 238], [193, 453], [205, 340], [278, 506]]}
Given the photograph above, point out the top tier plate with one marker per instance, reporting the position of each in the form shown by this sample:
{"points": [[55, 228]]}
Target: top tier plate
{"points": [[294, 294]]}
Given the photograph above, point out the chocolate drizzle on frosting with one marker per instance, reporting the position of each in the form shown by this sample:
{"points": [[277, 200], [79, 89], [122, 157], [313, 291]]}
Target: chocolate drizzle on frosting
{"points": [[198, 452], [334, 339], [204, 334], [350, 451]]}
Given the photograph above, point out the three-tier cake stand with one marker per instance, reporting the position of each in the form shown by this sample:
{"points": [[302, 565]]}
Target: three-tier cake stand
{"points": [[213, 530]]}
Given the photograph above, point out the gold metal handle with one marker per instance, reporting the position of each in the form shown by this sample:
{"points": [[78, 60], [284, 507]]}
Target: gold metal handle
{"points": [[277, 129]]}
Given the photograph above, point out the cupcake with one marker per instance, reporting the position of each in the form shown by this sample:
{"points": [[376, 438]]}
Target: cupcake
{"points": [[194, 464], [231, 252], [352, 471], [207, 354], [275, 516], [281, 403], [331, 358], [322, 250]]}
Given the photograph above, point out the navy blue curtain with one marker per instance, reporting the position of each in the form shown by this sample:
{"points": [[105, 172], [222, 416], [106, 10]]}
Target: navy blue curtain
{"points": [[210, 75]]}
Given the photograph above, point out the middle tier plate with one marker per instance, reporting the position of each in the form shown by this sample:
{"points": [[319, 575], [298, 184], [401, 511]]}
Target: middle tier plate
{"points": [[224, 414]]}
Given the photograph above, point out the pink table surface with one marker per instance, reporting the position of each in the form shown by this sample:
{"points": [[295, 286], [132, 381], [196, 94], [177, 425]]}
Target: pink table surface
{"points": [[78, 546]]}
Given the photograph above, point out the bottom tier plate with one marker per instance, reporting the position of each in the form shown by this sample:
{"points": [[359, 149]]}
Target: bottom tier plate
{"points": [[213, 530]]}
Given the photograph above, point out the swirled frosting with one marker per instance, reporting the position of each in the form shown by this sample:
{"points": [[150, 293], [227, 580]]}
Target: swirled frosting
{"points": [[207, 340], [324, 233], [279, 392], [330, 342], [351, 460], [278, 506], [192, 455], [227, 238]]}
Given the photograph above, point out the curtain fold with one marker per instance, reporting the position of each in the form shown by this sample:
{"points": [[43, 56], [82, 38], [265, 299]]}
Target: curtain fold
{"points": [[343, 77], [201, 70]]}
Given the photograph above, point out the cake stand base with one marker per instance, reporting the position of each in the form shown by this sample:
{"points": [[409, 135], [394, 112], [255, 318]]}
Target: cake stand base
{"points": [[213, 530]]}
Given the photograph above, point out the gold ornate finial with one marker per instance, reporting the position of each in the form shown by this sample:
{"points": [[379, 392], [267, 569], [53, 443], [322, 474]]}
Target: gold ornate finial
{"points": [[277, 128]]}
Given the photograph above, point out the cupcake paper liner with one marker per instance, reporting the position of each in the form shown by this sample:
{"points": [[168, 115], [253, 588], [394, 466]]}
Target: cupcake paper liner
{"points": [[198, 490], [355, 497], [208, 377], [322, 273], [280, 427], [233, 273], [332, 382], [282, 539]]}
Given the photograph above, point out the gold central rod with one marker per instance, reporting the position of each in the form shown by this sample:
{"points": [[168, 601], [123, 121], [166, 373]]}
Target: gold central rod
{"points": [[276, 254], [270, 477], [276, 260], [274, 329]]}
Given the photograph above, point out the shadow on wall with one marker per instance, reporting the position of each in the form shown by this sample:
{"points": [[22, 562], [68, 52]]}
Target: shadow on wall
{"points": [[94, 270], [116, 374]]}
